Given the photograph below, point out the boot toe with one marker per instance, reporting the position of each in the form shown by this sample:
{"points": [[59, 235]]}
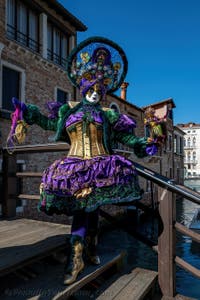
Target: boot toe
{"points": [[95, 260]]}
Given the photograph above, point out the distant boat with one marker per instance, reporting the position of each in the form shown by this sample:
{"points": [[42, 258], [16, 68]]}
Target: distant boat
{"points": [[195, 223]]}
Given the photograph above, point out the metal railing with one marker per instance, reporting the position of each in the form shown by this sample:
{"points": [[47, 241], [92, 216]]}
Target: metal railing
{"points": [[56, 58], [22, 38], [167, 188]]}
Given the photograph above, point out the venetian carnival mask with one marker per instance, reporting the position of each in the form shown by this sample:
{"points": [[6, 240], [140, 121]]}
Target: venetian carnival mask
{"points": [[94, 94]]}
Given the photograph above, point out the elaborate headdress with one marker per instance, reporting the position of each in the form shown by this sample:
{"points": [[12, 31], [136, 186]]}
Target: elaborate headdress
{"points": [[97, 60]]}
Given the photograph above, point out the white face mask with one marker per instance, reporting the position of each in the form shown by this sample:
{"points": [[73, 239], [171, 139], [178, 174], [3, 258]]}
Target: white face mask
{"points": [[93, 96]]}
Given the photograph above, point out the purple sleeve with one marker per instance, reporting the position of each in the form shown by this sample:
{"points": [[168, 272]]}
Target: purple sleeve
{"points": [[124, 123], [53, 108]]}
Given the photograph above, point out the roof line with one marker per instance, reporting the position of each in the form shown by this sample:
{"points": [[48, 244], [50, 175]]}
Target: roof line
{"points": [[67, 15], [125, 101], [168, 100]]}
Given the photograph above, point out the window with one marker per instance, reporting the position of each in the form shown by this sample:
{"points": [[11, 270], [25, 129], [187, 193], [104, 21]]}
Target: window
{"points": [[170, 142], [62, 96], [194, 156], [115, 107], [57, 46], [181, 145], [175, 144], [170, 114], [189, 156], [22, 24], [10, 87], [188, 142], [194, 142]]}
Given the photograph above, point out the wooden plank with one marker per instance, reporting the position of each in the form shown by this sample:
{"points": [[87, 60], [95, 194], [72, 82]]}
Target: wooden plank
{"points": [[49, 283], [12, 227], [29, 197], [188, 267], [186, 231], [27, 237], [181, 297], [28, 241], [167, 243], [29, 174], [133, 286]]}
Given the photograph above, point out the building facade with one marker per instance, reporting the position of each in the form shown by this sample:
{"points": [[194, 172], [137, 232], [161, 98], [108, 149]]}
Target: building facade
{"points": [[178, 155], [191, 149]]}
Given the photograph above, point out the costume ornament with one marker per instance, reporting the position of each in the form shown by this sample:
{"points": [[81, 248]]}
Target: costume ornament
{"points": [[155, 127]]}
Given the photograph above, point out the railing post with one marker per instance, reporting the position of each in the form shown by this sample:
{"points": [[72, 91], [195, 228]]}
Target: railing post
{"points": [[167, 244], [9, 168]]}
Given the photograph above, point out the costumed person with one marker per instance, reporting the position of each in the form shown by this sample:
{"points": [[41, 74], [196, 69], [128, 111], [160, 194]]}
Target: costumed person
{"points": [[155, 126], [91, 175]]}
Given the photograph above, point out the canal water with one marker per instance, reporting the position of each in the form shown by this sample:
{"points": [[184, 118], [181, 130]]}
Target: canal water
{"points": [[140, 255], [186, 248]]}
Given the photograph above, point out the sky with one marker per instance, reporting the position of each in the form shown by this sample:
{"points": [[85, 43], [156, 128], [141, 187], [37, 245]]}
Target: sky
{"points": [[161, 39]]}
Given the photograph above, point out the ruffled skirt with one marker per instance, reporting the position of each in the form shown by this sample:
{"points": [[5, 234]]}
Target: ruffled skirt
{"points": [[105, 179]]}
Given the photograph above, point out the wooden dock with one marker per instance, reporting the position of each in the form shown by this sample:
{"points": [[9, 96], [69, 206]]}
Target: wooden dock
{"points": [[23, 241]]}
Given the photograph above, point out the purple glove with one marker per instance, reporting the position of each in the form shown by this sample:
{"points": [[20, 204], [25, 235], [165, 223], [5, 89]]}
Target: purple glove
{"points": [[151, 149], [18, 104], [53, 108]]}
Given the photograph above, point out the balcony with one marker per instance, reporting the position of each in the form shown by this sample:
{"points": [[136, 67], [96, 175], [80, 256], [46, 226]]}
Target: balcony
{"points": [[14, 34], [58, 59], [190, 161], [190, 147]]}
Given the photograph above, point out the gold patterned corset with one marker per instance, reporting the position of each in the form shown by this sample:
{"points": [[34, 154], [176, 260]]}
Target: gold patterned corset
{"points": [[86, 144]]}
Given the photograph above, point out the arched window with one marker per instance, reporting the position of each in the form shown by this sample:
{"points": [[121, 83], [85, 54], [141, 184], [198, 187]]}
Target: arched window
{"points": [[188, 142], [194, 156], [115, 107], [189, 156], [194, 141]]}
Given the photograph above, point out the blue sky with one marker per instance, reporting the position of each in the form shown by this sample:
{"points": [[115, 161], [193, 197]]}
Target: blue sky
{"points": [[161, 39]]}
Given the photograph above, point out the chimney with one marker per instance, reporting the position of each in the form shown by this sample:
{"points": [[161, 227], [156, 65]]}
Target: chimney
{"points": [[124, 86]]}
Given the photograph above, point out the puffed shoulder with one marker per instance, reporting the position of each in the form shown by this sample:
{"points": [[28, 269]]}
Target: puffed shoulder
{"points": [[112, 115]]}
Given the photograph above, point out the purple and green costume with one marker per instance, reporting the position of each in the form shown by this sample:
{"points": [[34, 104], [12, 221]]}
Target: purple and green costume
{"points": [[91, 164]]}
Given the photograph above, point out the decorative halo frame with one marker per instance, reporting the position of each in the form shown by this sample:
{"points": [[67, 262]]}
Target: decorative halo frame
{"points": [[81, 62]]}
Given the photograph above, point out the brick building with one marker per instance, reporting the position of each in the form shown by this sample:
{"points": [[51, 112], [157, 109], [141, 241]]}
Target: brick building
{"points": [[35, 40]]}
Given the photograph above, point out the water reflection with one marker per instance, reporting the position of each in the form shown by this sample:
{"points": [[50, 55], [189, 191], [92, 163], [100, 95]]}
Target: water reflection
{"points": [[186, 248]]}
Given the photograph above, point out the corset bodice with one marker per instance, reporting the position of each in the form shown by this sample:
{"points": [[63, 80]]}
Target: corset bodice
{"points": [[86, 143]]}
